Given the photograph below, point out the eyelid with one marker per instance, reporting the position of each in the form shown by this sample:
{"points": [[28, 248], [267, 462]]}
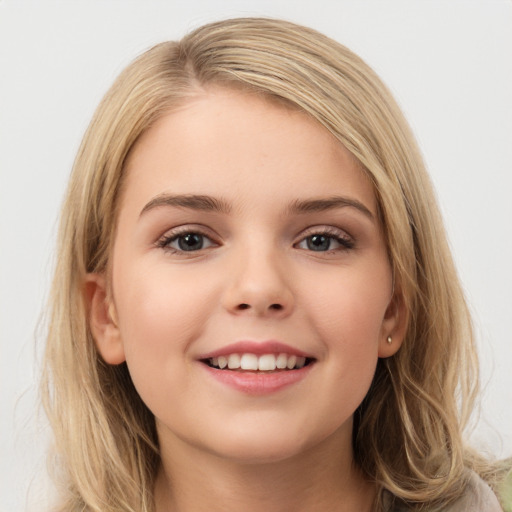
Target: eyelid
{"points": [[173, 233], [325, 230], [346, 240]]}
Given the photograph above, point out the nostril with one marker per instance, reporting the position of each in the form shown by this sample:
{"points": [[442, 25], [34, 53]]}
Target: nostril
{"points": [[272, 307]]}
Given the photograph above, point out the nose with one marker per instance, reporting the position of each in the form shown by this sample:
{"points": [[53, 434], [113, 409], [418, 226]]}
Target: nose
{"points": [[258, 285]]}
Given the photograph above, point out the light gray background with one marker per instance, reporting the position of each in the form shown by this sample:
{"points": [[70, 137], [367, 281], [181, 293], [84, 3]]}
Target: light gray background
{"points": [[448, 62]]}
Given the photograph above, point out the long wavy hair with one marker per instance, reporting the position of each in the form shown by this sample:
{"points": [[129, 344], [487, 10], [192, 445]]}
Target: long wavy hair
{"points": [[408, 431]]}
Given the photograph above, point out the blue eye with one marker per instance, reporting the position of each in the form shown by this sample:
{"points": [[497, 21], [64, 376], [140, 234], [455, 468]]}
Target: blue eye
{"points": [[189, 242], [319, 242], [323, 242], [185, 242]]}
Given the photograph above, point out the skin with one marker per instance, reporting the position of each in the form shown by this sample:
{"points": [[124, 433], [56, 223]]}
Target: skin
{"points": [[256, 278]]}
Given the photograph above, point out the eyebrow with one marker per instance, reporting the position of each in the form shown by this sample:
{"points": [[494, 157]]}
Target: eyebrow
{"points": [[330, 203], [191, 201], [208, 203]]}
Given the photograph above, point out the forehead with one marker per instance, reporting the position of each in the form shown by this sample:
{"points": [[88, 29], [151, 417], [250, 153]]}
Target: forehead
{"points": [[231, 143]]}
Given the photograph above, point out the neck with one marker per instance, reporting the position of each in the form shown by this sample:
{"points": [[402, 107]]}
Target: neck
{"points": [[323, 478]]}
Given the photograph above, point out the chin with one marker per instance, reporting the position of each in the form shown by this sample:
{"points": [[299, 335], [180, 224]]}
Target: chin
{"points": [[263, 446], [254, 453]]}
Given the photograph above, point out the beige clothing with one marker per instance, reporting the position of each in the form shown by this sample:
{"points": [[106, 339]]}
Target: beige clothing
{"points": [[477, 498]]}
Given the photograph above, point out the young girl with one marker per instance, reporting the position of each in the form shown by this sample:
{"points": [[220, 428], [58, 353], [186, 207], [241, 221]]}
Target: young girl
{"points": [[255, 307]]}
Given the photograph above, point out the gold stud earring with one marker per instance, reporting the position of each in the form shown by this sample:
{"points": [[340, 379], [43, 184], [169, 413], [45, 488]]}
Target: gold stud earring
{"points": [[390, 340]]}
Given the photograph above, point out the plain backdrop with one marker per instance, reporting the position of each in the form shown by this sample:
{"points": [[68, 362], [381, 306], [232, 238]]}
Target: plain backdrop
{"points": [[449, 63]]}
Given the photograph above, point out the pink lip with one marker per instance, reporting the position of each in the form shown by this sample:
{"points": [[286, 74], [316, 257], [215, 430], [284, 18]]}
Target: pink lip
{"points": [[255, 347], [256, 382]]}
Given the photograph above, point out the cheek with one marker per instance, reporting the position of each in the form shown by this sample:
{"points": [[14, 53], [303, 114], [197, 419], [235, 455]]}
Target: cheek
{"points": [[351, 308], [348, 317], [159, 313]]}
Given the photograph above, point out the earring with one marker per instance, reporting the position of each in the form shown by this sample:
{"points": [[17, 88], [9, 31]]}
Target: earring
{"points": [[390, 340]]}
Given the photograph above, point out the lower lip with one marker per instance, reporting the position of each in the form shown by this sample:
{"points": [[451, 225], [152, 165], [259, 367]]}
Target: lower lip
{"points": [[258, 383]]}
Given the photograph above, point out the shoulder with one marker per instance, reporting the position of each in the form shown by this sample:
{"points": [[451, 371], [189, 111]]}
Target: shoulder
{"points": [[477, 498]]}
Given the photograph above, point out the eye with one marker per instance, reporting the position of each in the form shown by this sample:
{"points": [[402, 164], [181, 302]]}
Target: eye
{"points": [[188, 241], [326, 241]]}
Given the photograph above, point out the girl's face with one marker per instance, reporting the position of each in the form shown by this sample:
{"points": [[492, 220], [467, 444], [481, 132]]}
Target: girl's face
{"points": [[247, 235]]}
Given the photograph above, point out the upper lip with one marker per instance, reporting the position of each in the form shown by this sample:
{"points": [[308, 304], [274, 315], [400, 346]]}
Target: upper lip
{"points": [[255, 347]]}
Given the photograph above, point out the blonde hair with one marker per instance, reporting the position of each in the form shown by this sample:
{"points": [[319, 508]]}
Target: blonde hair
{"points": [[407, 433]]}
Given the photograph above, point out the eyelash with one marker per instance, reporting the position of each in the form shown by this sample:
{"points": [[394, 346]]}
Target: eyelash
{"points": [[345, 241], [165, 241]]}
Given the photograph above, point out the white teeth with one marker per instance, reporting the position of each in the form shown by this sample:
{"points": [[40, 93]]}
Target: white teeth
{"points": [[291, 362], [267, 362], [249, 362], [233, 361], [281, 361], [263, 363]]}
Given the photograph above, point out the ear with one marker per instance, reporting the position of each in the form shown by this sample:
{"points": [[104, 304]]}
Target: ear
{"points": [[394, 326], [103, 319]]}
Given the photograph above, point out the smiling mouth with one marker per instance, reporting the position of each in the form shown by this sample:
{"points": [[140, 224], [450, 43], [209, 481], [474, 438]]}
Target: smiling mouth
{"points": [[259, 363]]}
